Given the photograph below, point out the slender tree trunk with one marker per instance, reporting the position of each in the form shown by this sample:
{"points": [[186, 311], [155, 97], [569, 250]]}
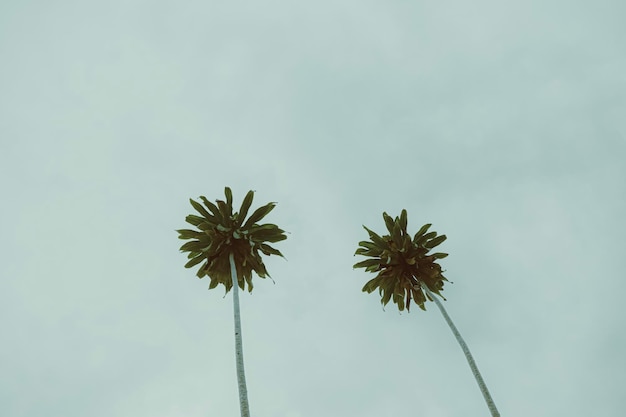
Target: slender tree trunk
{"points": [[483, 388], [241, 374]]}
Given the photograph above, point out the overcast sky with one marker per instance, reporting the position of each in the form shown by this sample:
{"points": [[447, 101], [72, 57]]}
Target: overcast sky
{"points": [[502, 123]]}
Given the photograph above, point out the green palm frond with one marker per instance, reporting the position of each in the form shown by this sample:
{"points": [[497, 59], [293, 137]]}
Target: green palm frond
{"points": [[221, 232], [402, 263]]}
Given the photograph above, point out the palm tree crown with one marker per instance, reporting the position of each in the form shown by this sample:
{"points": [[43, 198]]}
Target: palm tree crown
{"points": [[403, 263], [221, 232]]}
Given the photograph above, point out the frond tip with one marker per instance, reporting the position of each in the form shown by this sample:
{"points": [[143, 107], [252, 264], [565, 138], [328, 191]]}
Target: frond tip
{"points": [[402, 263], [221, 232]]}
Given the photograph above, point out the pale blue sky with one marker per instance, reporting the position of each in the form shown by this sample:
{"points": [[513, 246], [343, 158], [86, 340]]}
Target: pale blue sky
{"points": [[502, 123]]}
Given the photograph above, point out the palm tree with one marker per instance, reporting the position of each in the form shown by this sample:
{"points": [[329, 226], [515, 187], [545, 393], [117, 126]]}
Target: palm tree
{"points": [[229, 249], [407, 272]]}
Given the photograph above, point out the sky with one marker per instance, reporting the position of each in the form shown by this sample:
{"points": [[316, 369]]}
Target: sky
{"points": [[501, 123]]}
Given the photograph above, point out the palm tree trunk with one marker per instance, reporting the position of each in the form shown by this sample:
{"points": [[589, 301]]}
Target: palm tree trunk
{"points": [[241, 374], [483, 388]]}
